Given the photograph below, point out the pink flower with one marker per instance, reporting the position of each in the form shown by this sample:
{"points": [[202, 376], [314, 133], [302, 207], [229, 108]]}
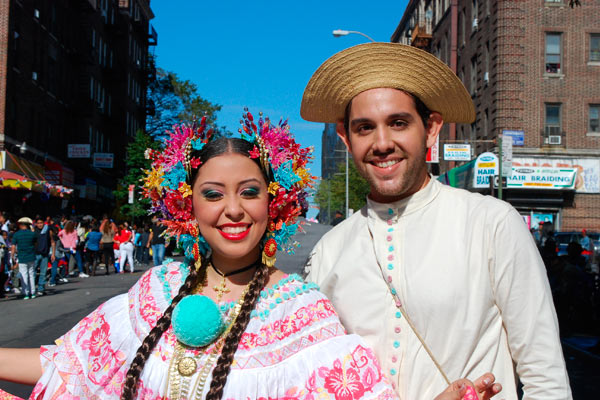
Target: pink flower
{"points": [[178, 206], [344, 384]]}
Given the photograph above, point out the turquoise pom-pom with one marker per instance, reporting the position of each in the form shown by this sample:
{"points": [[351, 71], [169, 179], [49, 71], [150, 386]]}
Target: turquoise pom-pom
{"points": [[197, 321]]}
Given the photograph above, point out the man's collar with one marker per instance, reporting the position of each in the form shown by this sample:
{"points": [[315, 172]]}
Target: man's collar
{"points": [[405, 206]]}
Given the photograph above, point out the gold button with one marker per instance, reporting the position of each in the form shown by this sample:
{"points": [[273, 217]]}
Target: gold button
{"points": [[187, 366]]}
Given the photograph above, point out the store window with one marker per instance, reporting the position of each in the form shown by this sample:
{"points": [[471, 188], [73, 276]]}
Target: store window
{"points": [[553, 53], [594, 118]]}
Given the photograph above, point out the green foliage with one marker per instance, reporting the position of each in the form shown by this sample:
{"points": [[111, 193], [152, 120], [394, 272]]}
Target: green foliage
{"points": [[136, 162], [331, 193], [175, 100]]}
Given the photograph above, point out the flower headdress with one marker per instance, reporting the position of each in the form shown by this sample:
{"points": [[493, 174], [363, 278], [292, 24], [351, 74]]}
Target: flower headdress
{"points": [[281, 158]]}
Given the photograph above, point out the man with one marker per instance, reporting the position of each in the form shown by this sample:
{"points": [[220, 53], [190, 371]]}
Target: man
{"points": [[23, 249], [45, 243], [441, 282], [4, 221], [156, 241], [586, 243]]}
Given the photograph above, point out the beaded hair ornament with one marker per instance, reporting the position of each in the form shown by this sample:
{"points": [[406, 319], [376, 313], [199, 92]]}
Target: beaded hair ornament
{"points": [[282, 159]]}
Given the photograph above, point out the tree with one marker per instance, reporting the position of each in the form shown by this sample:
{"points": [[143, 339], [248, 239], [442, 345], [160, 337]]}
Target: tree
{"points": [[136, 162], [172, 100], [331, 193]]}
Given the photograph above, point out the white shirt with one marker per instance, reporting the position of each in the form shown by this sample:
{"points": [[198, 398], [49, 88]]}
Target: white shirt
{"points": [[469, 276]]}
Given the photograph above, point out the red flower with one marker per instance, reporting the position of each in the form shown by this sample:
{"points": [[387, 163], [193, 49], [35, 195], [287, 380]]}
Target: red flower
{"points": [[344, 384], [179, 207], [254, 153]]}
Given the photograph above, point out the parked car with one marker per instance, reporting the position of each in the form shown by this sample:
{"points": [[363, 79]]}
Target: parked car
{"points": [[564, 238]]}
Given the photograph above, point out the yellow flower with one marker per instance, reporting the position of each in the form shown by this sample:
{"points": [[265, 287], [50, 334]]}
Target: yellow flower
{"points": [[154, 178], [185, 190], [273, 186], [304, 175]]}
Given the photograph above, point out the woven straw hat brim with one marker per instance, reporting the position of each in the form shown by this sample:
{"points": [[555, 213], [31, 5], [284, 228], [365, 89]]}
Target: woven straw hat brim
{"points": [[385, 65]]}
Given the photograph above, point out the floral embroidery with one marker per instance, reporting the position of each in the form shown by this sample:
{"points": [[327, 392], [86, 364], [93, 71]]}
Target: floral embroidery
{"points": [[279, 330]]}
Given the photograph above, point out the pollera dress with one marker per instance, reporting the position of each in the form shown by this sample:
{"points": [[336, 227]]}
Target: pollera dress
{"points": [[294, 347]]}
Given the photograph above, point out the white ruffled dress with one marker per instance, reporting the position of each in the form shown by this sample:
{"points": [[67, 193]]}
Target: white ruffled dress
{"points": [[293, 348]]}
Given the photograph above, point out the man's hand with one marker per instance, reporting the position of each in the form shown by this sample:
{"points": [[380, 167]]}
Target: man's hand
{"points": [[483, 388]]}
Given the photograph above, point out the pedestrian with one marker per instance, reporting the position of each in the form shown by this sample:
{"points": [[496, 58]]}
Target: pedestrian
{"points": [[57, 258], [255, 331], [125, 240], [137, 243], [156, 241], [145, 235], [23, 253], [92, 246], [440, 271], [69, 239], [4, 221], [43, 250], [4, 262], [108, 230]]}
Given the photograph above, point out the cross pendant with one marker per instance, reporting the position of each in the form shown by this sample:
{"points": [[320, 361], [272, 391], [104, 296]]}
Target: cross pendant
{"points": [[221, 289]]}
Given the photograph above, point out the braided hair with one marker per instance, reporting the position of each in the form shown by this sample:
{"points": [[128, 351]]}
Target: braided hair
{"points": [[223, 365], [163, 323]]}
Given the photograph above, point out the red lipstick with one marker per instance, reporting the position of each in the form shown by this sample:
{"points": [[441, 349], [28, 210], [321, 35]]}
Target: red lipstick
{"points": [[234, 236]]}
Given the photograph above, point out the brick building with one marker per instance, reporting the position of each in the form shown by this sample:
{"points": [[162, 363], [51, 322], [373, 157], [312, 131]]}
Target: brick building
{"points": [[533, 70], [72, 72]]}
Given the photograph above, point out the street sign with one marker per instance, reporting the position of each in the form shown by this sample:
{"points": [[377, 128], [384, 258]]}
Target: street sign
{"points": [[517, 136], [78, 151], [103, 160], [457, 152], [130, 197], [507, 147], [433, 153], [486, 166]]}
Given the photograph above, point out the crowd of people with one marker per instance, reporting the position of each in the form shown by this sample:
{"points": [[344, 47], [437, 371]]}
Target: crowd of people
{"points": [[39, 253]]}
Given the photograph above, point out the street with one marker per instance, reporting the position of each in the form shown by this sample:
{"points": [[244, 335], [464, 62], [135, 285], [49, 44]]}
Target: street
{"points": [[37, 322]]}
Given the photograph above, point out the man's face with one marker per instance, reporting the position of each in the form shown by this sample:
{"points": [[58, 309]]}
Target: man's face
{"points": [[39, 224], [389, 142]]}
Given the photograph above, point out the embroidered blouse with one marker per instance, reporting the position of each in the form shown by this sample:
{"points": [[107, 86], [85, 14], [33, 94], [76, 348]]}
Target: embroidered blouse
{"points": [[293, 348]]}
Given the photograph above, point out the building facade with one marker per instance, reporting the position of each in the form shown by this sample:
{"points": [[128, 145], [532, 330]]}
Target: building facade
{"points": [[533, 70], [73, 78]]}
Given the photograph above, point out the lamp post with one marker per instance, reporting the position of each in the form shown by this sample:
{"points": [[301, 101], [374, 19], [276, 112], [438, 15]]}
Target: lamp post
{"points": [[342, 32]]}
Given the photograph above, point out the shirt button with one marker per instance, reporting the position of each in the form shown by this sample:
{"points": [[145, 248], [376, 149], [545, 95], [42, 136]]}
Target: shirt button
{"points": [[398, 314], [391, 257], [396, 344], [397, 330], [393, 371], [394, 359], [389, 238], [390, 222]]}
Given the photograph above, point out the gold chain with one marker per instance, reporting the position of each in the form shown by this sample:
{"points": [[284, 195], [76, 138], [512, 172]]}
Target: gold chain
{"points": [[180, 376]]}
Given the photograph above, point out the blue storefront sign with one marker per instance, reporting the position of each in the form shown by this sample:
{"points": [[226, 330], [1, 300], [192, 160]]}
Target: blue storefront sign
{"points": [[518, 137]]}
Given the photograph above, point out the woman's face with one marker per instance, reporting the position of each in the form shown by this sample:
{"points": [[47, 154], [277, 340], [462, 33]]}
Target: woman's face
{"points": [[230, 202]]}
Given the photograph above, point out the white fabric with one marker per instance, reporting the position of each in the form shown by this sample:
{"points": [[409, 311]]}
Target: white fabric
{"points": [[293, 348], [468, 274], [27, 271], [126, 253]]}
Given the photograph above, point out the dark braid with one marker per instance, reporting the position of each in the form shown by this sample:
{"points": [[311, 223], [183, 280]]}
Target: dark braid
{"points": [[219, 374], [150, 341]]}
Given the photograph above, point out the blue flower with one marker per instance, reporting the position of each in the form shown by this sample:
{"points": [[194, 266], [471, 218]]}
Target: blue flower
{"points": [[197, 144], [283, 235], [186, 242], [285, 175], [174, 177]]}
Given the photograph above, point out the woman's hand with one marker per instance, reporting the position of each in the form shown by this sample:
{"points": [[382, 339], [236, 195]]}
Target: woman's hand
{"points": [[483, 388]]}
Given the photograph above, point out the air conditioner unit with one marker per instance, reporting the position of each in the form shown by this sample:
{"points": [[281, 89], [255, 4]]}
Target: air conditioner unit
{"points": [[36, 13], [34, 76], [554, 139], [475, 24], [486, 77]]}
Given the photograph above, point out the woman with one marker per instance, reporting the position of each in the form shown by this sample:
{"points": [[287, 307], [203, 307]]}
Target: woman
{"points": [[69, 239], [223, 324], [124, 238], [92, 246], [108, 230]]}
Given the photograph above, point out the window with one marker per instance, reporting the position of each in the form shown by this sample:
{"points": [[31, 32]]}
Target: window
{"points": [[553, 121], [594, 118], [595, 47], [553, 53]]}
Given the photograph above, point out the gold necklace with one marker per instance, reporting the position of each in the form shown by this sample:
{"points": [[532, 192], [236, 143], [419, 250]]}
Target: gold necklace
{"points": [[182, 368]]}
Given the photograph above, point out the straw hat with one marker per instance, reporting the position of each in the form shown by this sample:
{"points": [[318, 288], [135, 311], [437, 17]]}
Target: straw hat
{"points": [[25, 220], [385, 65]]}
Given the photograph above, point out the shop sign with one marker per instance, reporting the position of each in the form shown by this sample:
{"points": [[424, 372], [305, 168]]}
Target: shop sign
{"points": [[57, 174], [588, 170], [457, 152], [507, 155], [517, 136], [78, 151], [542, 178], [103, 160], [433, 153], [486, 166]]}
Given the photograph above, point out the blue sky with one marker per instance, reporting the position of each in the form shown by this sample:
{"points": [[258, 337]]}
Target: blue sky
{"points": [[261, 54]]}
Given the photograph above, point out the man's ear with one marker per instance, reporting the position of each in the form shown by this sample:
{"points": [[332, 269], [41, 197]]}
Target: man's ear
{"points": [[433, 128], [341, 132]]}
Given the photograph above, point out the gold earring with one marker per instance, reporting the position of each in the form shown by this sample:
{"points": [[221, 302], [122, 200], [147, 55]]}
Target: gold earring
{"points": [[268, 254]]}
